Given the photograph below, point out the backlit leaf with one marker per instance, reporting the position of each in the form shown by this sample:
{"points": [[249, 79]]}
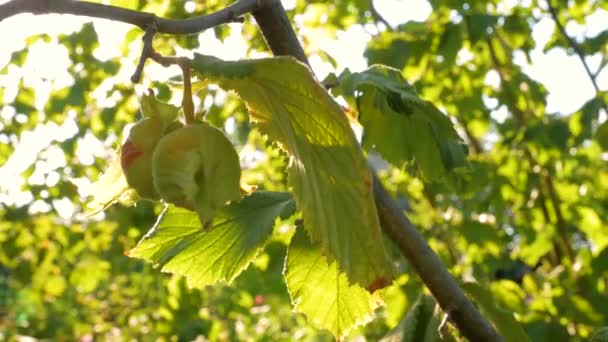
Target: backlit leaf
{"points": [[602, 136], [321, 292], [329, 174], [111, 187], [153, 108], [217, 253], [399, 124]]}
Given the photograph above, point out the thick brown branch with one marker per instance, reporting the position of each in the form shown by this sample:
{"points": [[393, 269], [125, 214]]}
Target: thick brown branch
{"points": [[141, 19], [277, 30], [427, 264]]}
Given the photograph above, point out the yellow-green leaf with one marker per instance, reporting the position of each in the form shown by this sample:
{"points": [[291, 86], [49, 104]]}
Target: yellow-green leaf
{"points": [[330, 177], [217, 253], [110, 188], [323, 293]]}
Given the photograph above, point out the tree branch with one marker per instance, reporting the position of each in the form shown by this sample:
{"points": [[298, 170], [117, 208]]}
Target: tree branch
{"points": [[145, 53], [143, 20], [577, 49], [428, 266], [412, 245], [379, 16], [277, 30]]}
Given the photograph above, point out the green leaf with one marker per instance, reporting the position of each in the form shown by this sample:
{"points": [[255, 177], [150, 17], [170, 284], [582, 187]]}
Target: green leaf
{"points": [[217, 253], [321, 292], [110, 187], [479, 24], [504, 321], [154, 108], [581, 122], [600, 335], [421, 323], [327, 170], [399, 124], [602, 136], [451, 42]]}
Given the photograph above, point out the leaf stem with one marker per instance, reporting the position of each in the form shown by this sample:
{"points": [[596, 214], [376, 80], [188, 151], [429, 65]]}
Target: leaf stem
{"points": [[187, 104], [145, 53]]}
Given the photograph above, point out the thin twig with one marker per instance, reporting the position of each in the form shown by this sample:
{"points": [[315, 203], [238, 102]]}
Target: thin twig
{"points": [[379, 16], [145, 53], [232, 13], [603, 64], [277, 31], [184, 64], [187, 104], [577, 49]]}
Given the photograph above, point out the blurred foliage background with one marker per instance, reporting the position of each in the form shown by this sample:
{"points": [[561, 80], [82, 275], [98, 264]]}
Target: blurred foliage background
{"points": [[528, 219]]}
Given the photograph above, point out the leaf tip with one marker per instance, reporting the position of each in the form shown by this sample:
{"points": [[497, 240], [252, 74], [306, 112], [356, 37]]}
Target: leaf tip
{"points": [[379, 284]]}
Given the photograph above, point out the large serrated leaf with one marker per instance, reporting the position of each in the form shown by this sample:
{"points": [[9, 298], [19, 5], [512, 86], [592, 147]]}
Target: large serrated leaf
{"points": [[323, 293], [217, 253], [400, 125], [330, 177]]}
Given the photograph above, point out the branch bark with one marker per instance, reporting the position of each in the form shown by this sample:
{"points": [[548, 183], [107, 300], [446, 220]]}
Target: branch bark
{"points": [[277, 30], [435, 276], [143, 20], [394, 223]]}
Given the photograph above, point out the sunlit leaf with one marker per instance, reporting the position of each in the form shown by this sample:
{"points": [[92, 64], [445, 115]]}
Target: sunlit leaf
{"points": [[602, 136], [111, 187], [218, 253], [601, 335], [330, 177], [399, 124], [323, 293], [153, 108]]}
